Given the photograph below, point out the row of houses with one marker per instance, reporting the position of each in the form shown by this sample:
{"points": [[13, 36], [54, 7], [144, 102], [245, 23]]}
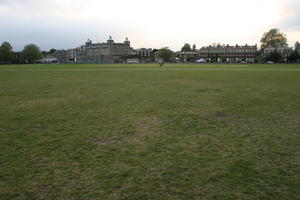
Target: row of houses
{"points": [[221, 53], [112, 52], [235, 54]]}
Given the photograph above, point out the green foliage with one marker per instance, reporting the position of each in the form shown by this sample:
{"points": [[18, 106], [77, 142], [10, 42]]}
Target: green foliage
{"points": [[186, 47], [275, 57], [6, 53], [194, 47], [152, 56], [31, 53], [297, 46], [165, 53], [259, 58], [273, 38], [51, 51], [44, 53], [294, 57]]}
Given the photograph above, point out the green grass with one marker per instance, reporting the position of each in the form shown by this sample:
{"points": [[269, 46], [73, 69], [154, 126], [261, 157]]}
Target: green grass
{"points": [[142, 132]]}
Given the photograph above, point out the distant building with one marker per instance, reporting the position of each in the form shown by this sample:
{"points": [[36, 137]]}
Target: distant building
{"points": [[49, 59], [144, 54], [189, 56], [228, 54], [109, 52], [71, 55], [284, 51], [61, 55]]}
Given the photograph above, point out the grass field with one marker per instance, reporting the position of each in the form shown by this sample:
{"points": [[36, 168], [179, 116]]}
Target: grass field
{"points": [[141, 132]]}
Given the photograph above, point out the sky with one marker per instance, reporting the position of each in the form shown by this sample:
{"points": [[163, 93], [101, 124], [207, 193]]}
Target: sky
{"points": [[64, 24]]}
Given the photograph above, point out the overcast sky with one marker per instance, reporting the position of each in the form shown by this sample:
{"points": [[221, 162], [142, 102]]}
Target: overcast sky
{"points": [[64, 24]]}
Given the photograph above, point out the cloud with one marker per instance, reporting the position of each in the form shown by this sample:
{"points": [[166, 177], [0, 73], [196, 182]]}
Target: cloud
{"points": [[289, 22], [156, 23], [50, 24]]}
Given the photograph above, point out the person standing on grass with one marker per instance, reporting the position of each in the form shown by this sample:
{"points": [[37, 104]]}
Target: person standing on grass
{"points": [[161, 63]]}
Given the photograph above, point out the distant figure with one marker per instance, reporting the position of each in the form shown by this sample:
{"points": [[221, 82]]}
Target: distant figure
{"points": [[161, 63]]}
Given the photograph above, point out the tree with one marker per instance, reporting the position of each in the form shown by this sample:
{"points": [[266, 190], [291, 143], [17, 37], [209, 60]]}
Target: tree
{"points": [[273, 38], [51, 51], [194, 47], [6, 53], [152, 55], [44, 53], [165, 53], [186, 47], [275, 57], [297, 46], [294, 57], [31, 53], [17, 57], [259, 58]]}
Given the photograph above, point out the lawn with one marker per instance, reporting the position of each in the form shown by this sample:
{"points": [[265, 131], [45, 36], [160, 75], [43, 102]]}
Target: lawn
{"points": [[140, 132]]}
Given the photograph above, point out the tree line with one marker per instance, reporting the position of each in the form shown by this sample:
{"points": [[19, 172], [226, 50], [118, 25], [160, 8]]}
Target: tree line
{"points": [[273, 38], [30, 54]]}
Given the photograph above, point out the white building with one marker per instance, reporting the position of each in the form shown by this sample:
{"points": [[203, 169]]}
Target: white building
{"points": [[49, 59]]}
